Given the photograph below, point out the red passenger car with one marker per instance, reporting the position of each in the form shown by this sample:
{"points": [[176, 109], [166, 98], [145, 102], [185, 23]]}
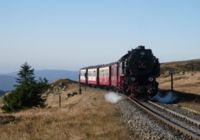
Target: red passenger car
{"points": [[104, 76], [114, 75], [92, 76], [83, 76]]}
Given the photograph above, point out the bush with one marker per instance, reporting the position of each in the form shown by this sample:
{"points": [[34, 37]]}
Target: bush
{"points": [[28, 92]]}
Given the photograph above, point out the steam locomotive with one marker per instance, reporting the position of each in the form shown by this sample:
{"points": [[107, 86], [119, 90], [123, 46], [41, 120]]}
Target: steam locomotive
{"points": [[134, 74]]}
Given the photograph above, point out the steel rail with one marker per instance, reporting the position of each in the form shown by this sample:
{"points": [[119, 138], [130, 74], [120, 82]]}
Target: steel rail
{"points": [[165, 120], [190, 120]]}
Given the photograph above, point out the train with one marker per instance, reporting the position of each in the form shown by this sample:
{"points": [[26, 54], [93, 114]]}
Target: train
{"points": [[134, 74]]}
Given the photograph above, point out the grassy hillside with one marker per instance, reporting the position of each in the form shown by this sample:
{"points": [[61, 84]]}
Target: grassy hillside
{"points": [[87, 116], [181, 66], [186, 76]]}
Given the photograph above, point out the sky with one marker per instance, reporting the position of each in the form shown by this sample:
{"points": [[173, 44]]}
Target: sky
{"points": [[70, 34]]}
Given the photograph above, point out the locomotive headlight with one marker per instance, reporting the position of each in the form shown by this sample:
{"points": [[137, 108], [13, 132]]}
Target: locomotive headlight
{"points": [[150, 79], [133, 79]]}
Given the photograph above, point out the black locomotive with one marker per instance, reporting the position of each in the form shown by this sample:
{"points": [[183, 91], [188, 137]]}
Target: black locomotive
{"points": [[140, 68]]}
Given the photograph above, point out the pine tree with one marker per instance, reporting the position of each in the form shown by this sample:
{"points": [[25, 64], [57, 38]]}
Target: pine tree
{"points": [[25, 75], [28, 91]]}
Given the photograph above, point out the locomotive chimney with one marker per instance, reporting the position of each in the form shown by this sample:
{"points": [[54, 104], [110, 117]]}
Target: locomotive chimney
{"points": [[141, 47]]}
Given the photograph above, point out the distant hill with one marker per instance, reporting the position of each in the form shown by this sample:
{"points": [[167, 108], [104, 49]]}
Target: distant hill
{"points": [[181, 66], [7, 81], [2, 92], [53, 75]]}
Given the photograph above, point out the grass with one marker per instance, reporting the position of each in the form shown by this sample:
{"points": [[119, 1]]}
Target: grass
{"points": [[188, 82], [82, 117], [181, 66]]}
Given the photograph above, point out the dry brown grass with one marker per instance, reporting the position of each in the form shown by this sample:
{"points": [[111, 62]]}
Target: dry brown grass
{"points": [[82, 117], [186, 77], [188, 82], [181, 66]]}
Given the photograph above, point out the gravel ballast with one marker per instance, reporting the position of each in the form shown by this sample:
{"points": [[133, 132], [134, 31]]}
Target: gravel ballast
{"points": [[144, 126]]}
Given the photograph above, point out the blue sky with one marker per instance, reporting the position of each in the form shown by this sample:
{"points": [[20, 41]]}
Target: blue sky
{"points": [[62, 34]]}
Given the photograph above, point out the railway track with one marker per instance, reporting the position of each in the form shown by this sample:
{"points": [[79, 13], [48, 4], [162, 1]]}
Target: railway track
{"points": [[177, 115], [177, 121], [187, 126]]}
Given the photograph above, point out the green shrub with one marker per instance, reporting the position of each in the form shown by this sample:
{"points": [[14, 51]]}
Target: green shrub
{"points": [[28, 92]]}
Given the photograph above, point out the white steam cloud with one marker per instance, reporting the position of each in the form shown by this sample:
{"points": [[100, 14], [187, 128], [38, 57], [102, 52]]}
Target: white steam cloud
{"points": [[112, 97]]}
